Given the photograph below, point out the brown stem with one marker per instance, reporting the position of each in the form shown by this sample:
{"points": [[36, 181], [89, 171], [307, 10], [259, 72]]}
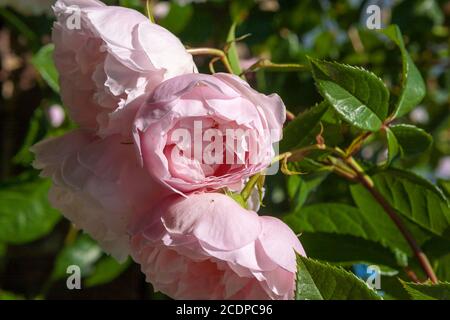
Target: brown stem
{"points": [[412, 275], [369, 185]]}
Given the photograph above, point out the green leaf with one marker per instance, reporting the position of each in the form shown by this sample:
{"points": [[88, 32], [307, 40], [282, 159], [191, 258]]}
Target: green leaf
{"points": [[298, 132], [392, 287], [393, 147], [413, 87], [359, 96], [232, 53], [299, 187], [416, 199], [442, 267], [25, 214], [347, 250], [43, 62], [445, 186], [440, 291], [343, 219], [412, 140], [321, 281], [392, 237], [106, 270], [84, 253]]}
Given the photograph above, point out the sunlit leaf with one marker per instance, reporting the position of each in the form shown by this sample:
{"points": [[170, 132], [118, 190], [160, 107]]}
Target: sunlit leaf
{"points": [[359, 97], [321, 281]]}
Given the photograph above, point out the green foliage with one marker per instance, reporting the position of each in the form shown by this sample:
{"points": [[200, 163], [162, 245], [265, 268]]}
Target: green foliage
{"points": [[5, 295], [412, 140], [347, 250], [43, 61], [298, 188], [232, 53], [83, 252], [35, 132], [96, 268], [25, 214], [416, 199], [413, 87], [320, 281], [106, 270], [393, 145], [178, 17], [132, 4], [359, 96], [440, 291], [301, 131], [442, 267], [342, 219]]}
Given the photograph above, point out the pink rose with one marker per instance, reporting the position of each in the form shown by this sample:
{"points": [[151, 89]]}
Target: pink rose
{"points": [[108, 59], [207, 246], [204, 132], [98, 185]]}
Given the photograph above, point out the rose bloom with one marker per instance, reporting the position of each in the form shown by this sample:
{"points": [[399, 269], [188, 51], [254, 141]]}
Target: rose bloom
{"points": [[207, 246], [108, 59], [98, 185], [200, 132]]}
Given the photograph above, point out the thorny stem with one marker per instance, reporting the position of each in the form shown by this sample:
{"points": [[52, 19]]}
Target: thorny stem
{"points": [[346, 166], [212, 52], [367, 182]]}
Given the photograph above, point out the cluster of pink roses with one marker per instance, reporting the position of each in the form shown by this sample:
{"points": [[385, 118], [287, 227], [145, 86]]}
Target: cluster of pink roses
{"points": [[129, 83]]}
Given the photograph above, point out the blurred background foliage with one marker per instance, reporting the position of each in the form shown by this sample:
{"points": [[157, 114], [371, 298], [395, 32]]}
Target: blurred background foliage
{"points": [[36, 244]]}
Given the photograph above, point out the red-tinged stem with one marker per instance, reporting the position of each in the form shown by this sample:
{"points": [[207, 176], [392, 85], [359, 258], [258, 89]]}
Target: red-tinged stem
{"points": [[365, 180]]}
